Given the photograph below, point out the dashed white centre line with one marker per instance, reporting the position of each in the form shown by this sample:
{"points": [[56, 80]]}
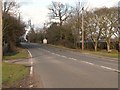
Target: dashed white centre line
{"points": [[73, 59], [57, 54], [64, 56], [109, 68], [84, 62], [88, 63], [52, 53], [48, 51]]}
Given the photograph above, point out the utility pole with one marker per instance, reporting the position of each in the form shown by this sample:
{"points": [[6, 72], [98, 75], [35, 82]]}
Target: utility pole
{"points": [[82, 29], [19, 17], [0, 44], [44, 30]]}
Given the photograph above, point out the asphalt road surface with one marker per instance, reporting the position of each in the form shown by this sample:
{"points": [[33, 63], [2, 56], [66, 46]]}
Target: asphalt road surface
{"points": [[62, 68]]}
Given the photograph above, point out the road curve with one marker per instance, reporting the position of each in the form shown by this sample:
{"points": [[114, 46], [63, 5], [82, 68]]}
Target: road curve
{"points": [[60, 68]]}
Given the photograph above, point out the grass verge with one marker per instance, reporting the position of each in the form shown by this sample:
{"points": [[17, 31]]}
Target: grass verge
{"points": [[12, 73], [113, 54], [21, 53]]}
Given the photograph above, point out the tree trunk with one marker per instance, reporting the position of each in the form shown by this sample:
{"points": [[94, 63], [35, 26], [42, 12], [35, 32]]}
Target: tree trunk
{"points": [[60, 34], [11, 46], [108, 46], [74, 42], [95, 46], [119, 47]]}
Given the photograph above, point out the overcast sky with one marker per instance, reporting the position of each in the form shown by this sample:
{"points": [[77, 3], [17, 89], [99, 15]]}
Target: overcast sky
{"points": [[37, 10]]}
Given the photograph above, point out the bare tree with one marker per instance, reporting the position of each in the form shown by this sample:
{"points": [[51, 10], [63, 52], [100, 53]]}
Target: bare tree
{"points": [[13, 27], [76, 20], [31, 33], [102, 23], [76, 17], [94, 28], [10, 7], [59, 13], [110, 23]]}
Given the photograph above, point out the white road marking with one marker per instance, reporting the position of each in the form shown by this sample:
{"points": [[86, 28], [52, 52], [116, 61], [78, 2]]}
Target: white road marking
{"points": [[31, 86], [57, 54], [31, 70], [83, 62], [88, 63], [53, 53], [110, 68], [31, 62], [64, 56], [73, 59], [29, 53], [48, 51]]}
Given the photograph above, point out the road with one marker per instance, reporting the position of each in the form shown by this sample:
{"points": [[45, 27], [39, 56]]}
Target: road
{"points": [[62, 68]]}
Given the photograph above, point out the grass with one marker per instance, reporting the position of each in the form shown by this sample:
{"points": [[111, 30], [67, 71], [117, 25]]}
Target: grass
{"points": [[113, 54], [12, 73], [21, 53]]}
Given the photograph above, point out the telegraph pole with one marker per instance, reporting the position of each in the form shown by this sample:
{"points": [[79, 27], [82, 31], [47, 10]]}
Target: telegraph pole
{"points": [[82, 29], [0, 44], [44, 30], [19, 17]]}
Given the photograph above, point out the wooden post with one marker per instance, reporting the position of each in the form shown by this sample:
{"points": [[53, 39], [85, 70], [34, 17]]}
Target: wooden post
{"points": [[0, 44], [82, 29]]}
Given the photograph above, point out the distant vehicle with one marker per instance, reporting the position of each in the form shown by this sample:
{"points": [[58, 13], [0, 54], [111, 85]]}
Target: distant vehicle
{"points": [[44, 41]]}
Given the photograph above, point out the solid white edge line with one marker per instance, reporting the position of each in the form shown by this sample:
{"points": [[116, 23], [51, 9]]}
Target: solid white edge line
{"points": [[31, 70], [29, 53], [31, 62], [31, 86]]}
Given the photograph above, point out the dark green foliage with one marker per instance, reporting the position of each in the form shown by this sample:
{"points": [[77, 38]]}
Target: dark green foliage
{"points": [[53, 33], [12, 30]]}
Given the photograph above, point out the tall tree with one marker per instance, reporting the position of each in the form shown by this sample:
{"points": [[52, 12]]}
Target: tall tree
{"points": [[53, 33], [94, 27], [13, 27], [59, 12], [110, 23], [31, 33]]}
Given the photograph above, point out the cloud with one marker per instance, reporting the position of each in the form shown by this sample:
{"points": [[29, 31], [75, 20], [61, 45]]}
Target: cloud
{"points": [[37, 11], [36, 14], [102, 3]]}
